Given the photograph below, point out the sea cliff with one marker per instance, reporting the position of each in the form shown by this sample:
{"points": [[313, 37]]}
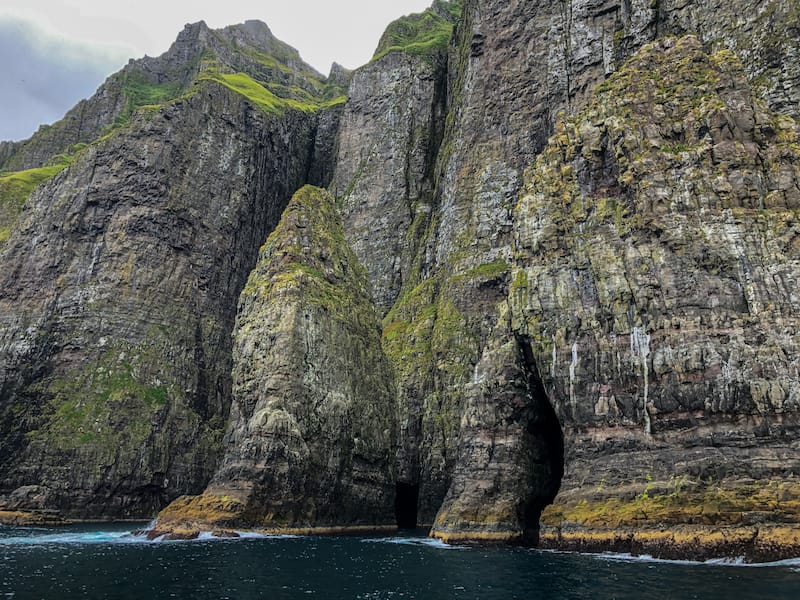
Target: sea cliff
{"points": [[548, 297]]}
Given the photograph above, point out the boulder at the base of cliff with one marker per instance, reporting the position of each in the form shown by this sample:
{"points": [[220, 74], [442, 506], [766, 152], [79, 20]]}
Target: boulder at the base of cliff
{"points": [[311, 438]]}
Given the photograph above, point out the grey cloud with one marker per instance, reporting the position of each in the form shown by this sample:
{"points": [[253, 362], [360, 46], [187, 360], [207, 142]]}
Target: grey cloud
{"points": [[43, 77]]}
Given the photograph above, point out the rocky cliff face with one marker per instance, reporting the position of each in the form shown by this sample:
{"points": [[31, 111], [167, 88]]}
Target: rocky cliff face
{"points": [[390, 134], [120, 284], [577, 220], [583, 23], [312, 427], [672, 198], [247, 48], [388, 137]]}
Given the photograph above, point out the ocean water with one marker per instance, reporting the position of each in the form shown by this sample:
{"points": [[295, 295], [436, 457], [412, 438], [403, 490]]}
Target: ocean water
{"points": [[106, 562]]}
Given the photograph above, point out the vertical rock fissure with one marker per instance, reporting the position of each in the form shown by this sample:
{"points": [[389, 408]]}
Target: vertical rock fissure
{"points": [[405, 504], [545, 444]]}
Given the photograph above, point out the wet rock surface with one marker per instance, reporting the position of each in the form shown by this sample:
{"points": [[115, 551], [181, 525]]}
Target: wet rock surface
{"points": [[680, 542]]}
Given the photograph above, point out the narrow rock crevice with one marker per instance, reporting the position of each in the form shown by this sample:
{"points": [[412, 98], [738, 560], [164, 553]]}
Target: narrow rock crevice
{"points": [[545, 443], [405, 505]]}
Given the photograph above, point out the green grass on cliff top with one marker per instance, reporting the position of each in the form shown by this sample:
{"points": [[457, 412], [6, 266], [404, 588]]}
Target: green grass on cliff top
{"points": [[16, 187], [423, 34], [139, 93], [243, 84]]}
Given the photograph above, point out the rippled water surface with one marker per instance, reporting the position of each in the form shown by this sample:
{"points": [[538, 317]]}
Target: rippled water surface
{"points": [[86, 562]]}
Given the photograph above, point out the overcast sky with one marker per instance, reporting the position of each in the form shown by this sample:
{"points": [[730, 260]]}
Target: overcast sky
{"points": [[56, 52]]}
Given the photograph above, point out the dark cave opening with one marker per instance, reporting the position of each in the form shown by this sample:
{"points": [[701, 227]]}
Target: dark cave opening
{"points": [[545, 444], [405, 505]]}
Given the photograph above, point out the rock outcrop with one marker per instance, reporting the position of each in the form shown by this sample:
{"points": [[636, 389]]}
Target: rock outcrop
{"points": [[511, 451], [662, 221], [576, 219], [119, 290], [661, 350], [312, 428]]}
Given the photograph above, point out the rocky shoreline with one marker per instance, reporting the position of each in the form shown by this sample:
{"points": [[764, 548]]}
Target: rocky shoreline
{"points": [[752, 544], [169, 534], [765, 543], [19, 518]]}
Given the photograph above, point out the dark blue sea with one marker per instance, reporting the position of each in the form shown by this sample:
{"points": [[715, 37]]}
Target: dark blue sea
{"points": [[106, 562]]}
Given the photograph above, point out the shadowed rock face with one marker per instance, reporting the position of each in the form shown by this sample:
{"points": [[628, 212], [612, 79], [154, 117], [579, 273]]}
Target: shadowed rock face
{"points": [[388, 137], [118, 297], [311, 438]]}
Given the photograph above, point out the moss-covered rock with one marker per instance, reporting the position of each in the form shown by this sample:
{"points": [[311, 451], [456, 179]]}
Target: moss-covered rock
{"points": [[118, 298], [426, 34], [312, 435], [16, 187], [653, 278]]}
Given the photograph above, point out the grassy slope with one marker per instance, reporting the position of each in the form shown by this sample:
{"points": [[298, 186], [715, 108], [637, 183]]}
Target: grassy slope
{"points": [[16, 187], [424, 34]]}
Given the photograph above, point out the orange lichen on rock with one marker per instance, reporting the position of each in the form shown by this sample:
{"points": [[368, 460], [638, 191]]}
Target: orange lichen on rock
{"points": [[24, 518]]}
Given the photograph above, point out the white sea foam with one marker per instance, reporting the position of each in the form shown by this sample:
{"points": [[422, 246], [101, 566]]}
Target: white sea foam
{"points": [[42, 537], [254, 535], [413, 541], [82, 537], [717, 562]]}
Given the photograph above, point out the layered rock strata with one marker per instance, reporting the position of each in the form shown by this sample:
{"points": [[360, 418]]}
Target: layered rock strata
{"points": [[312, 428], [502, 113], [118, 298], [661, 350], [673, 375]]}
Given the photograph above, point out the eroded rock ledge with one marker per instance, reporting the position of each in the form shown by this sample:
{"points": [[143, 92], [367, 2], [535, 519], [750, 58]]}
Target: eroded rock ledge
{"points": [[751, 544]]}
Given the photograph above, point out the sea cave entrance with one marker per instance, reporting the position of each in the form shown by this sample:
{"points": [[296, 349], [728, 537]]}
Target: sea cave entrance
{"points": [[405, 504], [545, 443]]}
